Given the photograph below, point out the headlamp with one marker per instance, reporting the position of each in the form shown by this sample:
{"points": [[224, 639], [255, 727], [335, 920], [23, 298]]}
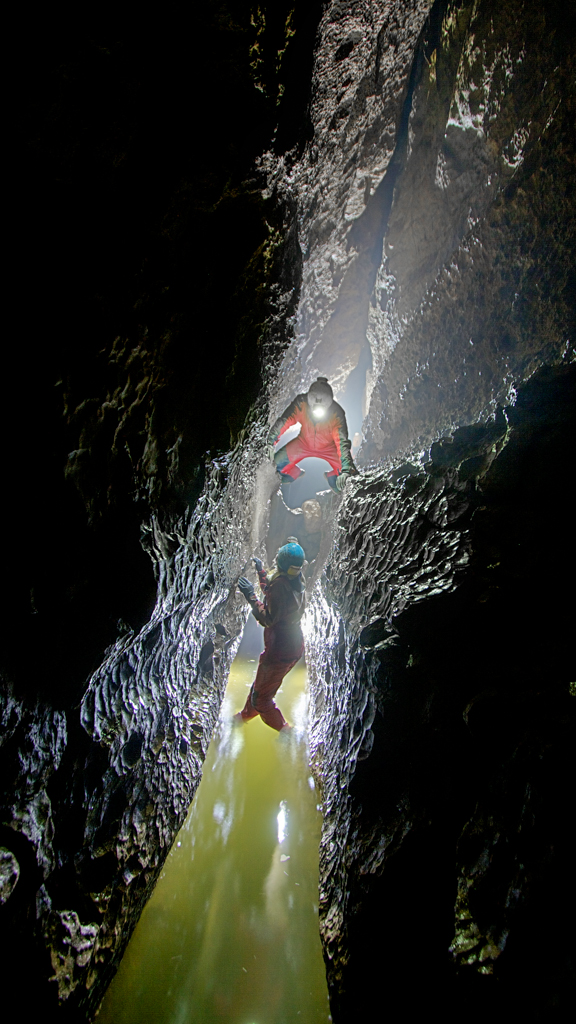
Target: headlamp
{"points": [[319, 412]]}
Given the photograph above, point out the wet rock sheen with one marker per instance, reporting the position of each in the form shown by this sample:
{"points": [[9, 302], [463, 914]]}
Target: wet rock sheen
{"points": [[381, 192]]}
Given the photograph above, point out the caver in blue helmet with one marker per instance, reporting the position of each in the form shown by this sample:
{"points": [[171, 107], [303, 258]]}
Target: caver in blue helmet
{"points": [[280, 613], [290, 559]]}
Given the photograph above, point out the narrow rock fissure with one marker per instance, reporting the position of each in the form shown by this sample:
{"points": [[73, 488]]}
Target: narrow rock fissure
{"points": [[207, 901], [415, 246], [232, 927]]}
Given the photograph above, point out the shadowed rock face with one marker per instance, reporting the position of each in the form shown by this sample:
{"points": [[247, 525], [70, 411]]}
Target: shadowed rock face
{"points": [[444, 722], [164, 284], [442, 842], [409, 234]]}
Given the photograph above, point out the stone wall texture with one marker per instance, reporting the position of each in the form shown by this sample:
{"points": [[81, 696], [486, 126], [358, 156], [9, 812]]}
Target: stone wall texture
{"points": [[443, 843], [443, 723], [381, 191]]}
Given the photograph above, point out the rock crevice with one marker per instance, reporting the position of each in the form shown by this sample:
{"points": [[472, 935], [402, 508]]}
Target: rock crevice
{"points": [[400, 219]]}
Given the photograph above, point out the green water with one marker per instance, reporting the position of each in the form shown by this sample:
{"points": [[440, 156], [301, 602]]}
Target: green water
{"points": [[230, 934]]}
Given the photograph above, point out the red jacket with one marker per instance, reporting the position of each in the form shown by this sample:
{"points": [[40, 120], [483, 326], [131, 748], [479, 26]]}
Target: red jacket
{"points": [[280, 614], [317, 434]]}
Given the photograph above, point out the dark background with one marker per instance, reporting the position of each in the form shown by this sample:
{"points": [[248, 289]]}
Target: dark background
{"points": [[138, 217]]}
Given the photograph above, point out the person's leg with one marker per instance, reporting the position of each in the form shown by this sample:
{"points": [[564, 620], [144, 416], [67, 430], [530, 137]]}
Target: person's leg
{"points": [[263, 690], [249, 711], [285, 460], [331, 456], [268, 681]]}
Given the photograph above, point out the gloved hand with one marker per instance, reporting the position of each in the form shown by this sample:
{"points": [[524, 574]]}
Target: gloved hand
{"points": [[258, 564], [270, 452], [246, 588], [341, 481]]}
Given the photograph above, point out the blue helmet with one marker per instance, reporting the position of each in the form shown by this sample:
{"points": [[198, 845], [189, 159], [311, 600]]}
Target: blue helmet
{"points": [[291, 556]]}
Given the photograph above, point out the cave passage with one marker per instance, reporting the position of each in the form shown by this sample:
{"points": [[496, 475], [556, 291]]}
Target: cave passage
{"points": [[306, 488], [231, 931]]}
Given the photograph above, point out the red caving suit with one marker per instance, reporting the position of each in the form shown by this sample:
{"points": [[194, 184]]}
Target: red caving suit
{"points": [[322, 439], [280, 614]]}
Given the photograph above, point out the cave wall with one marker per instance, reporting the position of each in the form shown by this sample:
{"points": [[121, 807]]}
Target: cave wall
{"points": [[376, 190], [436, 211], [153, 249], [164, 277], [444, 725], [442, 720]]}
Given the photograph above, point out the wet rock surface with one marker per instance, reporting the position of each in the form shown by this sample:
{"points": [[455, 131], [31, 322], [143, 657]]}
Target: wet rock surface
{"points": [[436, 211], [444, 724], [429, 603], [9, 873], [408, 233], [106, 787], [165, 283]]}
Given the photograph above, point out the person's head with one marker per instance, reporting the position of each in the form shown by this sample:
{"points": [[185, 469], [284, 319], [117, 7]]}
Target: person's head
{"points": [[320, 397], [312, 515], [290, 559]]}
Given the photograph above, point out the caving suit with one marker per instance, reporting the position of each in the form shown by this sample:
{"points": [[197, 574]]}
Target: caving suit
{"points": [[321, 439], [280, 614]]}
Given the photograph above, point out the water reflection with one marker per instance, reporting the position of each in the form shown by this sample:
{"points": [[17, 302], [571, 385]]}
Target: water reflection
{"points": [[230, 934], [281, 819]]}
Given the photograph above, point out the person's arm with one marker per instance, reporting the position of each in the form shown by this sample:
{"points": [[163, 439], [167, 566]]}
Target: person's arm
{"points": [[342, 441], [258, 610], [263, 579], [291, 415], [262, 574], [246, 588], [276, 606]]}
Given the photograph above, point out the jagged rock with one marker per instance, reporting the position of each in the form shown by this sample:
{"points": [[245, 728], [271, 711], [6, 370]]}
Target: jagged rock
{"points": [[9, 873], [408, 233], [454, 810], [71, 947]]}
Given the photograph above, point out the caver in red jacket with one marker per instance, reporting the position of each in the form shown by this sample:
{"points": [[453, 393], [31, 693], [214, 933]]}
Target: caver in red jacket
{"points": [[280, 614], [322, 439]]}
